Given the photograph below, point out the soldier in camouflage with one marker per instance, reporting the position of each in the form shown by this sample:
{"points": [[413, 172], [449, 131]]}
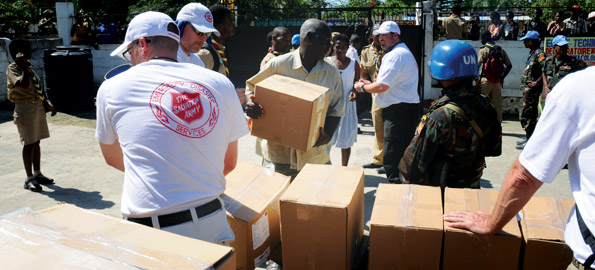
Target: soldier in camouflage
{"points": [[461, 128], [557, 66], [531, 84]]}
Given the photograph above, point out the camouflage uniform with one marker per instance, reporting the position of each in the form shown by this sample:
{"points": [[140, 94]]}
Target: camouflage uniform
{"points": [[532, 73], [446, 149], [555, 70]]}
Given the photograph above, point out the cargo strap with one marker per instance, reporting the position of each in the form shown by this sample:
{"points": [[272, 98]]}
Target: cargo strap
{"points": [[460, 111], [587, 236]]}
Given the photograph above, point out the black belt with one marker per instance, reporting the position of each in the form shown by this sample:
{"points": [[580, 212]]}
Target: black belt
{"points": [[180, 217], [578, 264]]}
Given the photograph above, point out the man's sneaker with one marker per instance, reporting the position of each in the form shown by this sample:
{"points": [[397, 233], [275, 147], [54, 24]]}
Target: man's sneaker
{"points": [[381, 170], [371, 166], [521, 146], [32, 185], [41, 179], [523, 141]]}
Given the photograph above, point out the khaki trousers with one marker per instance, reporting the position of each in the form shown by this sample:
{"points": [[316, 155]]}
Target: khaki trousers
{"points": [[378, 123], [494, 92]]}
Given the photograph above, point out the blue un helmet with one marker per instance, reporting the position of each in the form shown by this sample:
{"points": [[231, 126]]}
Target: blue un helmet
{"points": [[452, 60]]}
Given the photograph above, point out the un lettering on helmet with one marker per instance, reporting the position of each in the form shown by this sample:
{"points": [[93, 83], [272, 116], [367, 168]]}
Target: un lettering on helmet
{"points": [[469, 60]]}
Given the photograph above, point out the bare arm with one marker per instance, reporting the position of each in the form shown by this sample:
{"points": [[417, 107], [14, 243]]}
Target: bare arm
{"points": [[231, 157], [374, 87], [519, 186], [112, 153]]}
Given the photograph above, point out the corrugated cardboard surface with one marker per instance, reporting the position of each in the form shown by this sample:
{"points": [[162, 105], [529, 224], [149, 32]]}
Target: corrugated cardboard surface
{"points": [[68, 237], [294, 111], [252, 196], [322, 217], [406, 227], [465, 250], [543, 220]]}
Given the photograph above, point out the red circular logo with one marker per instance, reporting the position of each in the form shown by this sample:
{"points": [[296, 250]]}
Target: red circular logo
{"points": [[187, 108], [208, 17]]}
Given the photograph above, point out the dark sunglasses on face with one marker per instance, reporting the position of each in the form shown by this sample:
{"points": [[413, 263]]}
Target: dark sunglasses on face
{"points": [[126, 53], [199, 33]]}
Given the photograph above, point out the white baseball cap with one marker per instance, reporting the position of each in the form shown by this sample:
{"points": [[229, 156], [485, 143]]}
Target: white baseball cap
{"points": [[199, 16], [146, 24], [387, 27], [591, 15]]}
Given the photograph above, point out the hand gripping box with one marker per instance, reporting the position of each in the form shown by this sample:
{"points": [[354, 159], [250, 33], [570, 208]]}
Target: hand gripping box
{"points": [[68, 237], [294, 110], [466, 250], [406, 227], [252, 201], [322, 218], [543, 221]]}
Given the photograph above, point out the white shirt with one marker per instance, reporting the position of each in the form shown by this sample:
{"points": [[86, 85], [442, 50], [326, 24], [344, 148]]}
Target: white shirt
{"points": [[192, 58], [567, 130], [398, 71], [174, 122], [352, 53]]}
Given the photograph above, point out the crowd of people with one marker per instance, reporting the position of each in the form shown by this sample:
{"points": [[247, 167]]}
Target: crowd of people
{"points": [[178, 92], [456, 27]]}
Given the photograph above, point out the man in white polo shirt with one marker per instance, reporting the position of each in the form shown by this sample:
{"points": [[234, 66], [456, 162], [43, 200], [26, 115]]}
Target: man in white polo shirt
{"points": [[567, 129], [395, 91], [172, 128], [196, 24]]}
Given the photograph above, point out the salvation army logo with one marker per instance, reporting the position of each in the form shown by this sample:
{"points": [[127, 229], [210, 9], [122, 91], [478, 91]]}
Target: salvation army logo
{"points": [[208, 17], [187, 108]]}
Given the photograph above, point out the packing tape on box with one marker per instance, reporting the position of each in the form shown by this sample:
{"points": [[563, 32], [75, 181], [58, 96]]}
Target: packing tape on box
{"points": [[29, 233], [553, 216]]}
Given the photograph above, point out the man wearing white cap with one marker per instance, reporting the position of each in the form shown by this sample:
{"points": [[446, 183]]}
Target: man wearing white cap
{"points": [[395, 92], [172, 128], [196, 24]]}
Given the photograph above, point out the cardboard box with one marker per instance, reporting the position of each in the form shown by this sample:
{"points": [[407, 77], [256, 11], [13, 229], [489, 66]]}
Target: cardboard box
{"points": [[294, 111], [543, 221], [466, 250], [322, 218], [406, 227], [252, 201], [68, 237]]}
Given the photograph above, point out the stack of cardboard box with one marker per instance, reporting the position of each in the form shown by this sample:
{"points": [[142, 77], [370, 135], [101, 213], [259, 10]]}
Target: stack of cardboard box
{"points": [[406, 231]]}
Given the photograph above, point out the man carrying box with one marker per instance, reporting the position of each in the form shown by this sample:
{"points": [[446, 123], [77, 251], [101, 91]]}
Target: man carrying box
{"points": [[307, 64], [172, 128], [567, 131]]}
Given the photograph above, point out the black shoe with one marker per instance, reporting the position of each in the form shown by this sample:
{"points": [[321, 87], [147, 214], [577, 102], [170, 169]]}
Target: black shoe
{"points": [[32, 185], [523, 141], [359, 131], [521, 146], [372, 166], [381, 170], [44, 180]]}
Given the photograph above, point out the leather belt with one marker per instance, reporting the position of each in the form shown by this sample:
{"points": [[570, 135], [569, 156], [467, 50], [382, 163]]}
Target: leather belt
{"points": [[180, 217], [578, 265]]}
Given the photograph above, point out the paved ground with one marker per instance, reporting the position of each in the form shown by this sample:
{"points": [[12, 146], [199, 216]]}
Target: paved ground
{"points": [[72, 157]]}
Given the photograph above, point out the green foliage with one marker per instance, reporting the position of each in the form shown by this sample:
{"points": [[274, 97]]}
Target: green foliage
{"points": [[16, 16]]}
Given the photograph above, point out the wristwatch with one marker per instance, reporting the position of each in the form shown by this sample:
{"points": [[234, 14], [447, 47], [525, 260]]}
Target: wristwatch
{"points": [[363, 88]]}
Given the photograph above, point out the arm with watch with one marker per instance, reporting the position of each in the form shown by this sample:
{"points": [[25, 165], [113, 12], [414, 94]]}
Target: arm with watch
{"points": [[370, 87]]}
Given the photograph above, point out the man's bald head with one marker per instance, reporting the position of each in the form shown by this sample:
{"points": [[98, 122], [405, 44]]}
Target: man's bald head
{"points": [[316, 27]]}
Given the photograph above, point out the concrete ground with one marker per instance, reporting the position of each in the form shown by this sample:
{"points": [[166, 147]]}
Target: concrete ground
{"points": [[72, 157]]}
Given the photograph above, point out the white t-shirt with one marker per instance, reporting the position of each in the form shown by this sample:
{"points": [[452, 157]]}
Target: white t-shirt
{"points": [[192, 58], [174, 122], [567, 130], [399, 71], [352, 53]]}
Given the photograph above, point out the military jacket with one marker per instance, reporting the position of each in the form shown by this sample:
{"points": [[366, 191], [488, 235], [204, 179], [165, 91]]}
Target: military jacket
{"points": [[555, 69], [446, 149], [533, 70]]}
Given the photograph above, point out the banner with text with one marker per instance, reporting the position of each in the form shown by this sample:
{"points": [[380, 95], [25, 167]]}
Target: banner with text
{"points": [[583, 48]]}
